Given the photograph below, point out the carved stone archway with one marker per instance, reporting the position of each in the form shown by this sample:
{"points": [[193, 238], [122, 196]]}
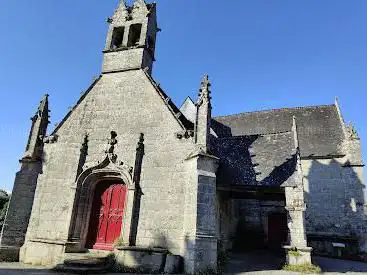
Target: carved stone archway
{"points": [[85, 187]]}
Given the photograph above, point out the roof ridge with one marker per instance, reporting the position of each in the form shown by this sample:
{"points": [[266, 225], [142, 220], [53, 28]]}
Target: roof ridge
{"points": [[260, 134], [278, 110]]}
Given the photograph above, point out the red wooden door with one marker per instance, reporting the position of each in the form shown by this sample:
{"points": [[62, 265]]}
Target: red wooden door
{"points": [[277, 230], [106, 215]]}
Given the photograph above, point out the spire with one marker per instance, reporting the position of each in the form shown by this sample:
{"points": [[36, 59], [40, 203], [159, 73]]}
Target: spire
{"points": [[38, 131]]}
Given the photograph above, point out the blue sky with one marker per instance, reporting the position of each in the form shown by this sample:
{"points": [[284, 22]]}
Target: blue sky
{"points": [[259, 55]]}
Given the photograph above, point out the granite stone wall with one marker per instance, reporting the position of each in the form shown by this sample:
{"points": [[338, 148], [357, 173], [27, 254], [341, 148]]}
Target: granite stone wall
{"points": [[127, 103]]}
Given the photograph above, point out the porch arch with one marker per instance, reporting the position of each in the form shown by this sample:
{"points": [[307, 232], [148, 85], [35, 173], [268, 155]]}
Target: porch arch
{"points": [[85, 189]]}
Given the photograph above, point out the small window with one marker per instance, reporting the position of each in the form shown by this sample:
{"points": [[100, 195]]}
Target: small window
{"points": [[134, 35], [117, 37]]}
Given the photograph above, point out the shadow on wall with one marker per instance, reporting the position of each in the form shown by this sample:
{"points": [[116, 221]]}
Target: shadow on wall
{"points": [[335, 215]]}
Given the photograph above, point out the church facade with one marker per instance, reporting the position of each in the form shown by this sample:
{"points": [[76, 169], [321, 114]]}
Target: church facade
{"points": [[127, 165]]}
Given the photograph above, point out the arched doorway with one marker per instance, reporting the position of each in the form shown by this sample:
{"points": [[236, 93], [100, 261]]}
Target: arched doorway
{"points": [[106, 214]]}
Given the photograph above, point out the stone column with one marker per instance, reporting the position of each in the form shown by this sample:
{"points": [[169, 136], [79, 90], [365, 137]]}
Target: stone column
{"points": [[201, 214]]}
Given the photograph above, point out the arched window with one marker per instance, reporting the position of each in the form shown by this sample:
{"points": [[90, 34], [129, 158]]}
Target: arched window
{"points": [[117, 37], [134, 35]]}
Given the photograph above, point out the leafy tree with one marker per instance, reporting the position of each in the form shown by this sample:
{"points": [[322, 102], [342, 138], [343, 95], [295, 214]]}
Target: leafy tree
{"points": [[4, 201]]}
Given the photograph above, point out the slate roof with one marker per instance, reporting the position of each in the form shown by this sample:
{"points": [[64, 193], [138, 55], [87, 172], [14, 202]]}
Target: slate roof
{"points": [[262, 160], [319, 127]]}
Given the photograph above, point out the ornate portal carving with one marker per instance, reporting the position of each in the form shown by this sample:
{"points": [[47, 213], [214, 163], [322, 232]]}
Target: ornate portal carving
{"points": [[111, 146]]}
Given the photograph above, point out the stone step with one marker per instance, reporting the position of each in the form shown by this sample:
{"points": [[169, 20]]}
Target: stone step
{"points": [[90, 262], [85, 263]]}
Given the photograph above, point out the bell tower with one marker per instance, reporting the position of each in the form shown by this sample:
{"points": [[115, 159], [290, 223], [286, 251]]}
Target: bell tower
{"points": [[131, 37]]}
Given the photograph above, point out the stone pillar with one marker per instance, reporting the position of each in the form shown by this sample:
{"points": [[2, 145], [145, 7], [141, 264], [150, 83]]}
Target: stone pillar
{"points": [[200, 222]]}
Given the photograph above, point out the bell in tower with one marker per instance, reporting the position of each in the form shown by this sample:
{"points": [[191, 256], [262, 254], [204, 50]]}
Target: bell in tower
{"points": [[131, 38]]}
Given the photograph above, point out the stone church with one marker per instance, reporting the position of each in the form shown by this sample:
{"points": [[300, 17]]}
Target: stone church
{"points": [[128, 166]]}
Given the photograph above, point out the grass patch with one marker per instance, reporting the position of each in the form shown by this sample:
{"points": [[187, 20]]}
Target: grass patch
{"points": [[303, 268], [294, 253]]}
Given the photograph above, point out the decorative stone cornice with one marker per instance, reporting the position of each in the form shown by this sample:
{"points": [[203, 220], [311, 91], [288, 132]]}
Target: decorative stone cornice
{"points": [[200, 152]]}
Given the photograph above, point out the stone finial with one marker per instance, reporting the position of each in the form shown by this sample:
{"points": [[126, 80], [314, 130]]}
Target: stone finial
{"points": [[351, 131], [204, 92]]}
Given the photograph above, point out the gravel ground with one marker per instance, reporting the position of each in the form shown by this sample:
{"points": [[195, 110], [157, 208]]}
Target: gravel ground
{"points": [[256, 263]]}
